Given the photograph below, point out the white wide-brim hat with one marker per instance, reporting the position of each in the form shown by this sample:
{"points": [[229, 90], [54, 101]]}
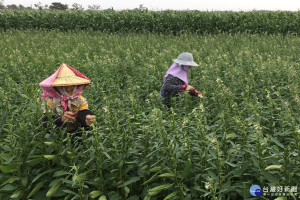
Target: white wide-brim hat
{"points": [[186, 59]]}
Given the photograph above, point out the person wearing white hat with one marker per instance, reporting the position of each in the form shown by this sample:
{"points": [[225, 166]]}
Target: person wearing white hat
{"points": [[176, 78], [62, 97]]}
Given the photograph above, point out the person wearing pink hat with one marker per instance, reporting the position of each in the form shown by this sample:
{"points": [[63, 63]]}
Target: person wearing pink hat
{"points": [[176, 79], [62, 97]]}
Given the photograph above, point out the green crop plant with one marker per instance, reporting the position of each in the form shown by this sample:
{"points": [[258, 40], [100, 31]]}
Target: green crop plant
{"points": [[244, 131], [161, 22]]}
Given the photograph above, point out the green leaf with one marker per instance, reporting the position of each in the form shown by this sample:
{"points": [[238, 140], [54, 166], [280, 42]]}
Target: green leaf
{"points": [[270, 177], [126, 190], [167, 175], [187, 168], [35, 161], [276, 142], [102, 198], [90, 160], [17, 194], [60, 173], [55, 181], [230, 135], [281, 198], [8, 169], [231, 164], [173, 194], [24, 96], [144, 167], [79, 178], [10, 180], [69, 192], [255, 161], [292, 194], [50, 143], [151, 179], [49, 157], [9, 187], [35, 189], [272, 167], [131, 180], [156, 190], [24, 181], [39, 176], [155, 169], [53, 189], [148, 197], [106, 154], [95, 194], [134, 197], [212, 174], [198, 188]]}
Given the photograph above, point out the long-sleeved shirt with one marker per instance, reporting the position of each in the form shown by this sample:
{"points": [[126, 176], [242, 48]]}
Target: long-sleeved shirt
{"points": [[78, 105]]}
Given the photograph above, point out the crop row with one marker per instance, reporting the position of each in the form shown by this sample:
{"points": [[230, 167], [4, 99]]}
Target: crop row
{"points": [[169, 22]]}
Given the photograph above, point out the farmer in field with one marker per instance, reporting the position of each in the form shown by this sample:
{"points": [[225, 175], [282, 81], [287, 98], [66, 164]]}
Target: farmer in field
{"points": [[62, 98], [176, 79]]}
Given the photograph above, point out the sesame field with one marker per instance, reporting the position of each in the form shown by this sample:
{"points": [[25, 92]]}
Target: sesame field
{"points": [[244, 132]]}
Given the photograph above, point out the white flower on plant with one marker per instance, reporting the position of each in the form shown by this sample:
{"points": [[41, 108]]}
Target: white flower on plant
{"points": [[219, 80], [200, 95], [202, 107], [118, 101], [207, 186], [150, 66], [185, 120], [214, 140], [257, 127], [105, 108], [226, 89]]}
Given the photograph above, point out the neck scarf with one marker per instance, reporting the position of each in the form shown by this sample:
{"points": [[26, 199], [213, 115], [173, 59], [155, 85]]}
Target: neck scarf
{"points": [[49, 91], [179, 72]]}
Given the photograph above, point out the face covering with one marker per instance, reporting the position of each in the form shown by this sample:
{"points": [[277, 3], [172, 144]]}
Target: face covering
{"points": [[186, 68], [65, 98], [62, 91]]}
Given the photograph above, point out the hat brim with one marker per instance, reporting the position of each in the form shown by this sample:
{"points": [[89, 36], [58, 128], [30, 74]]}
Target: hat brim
{"points": [[188, 63], [67, 81]]}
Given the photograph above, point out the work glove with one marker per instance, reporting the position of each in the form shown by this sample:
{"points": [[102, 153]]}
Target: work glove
{"points": [[195, 93], [90, 119]]}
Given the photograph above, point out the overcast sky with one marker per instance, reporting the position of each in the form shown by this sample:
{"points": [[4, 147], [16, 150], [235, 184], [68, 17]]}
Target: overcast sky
{"points": [[204, 5]]}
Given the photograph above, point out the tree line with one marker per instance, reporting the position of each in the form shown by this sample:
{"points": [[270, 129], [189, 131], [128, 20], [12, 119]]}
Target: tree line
{"points": [[53, 6]]}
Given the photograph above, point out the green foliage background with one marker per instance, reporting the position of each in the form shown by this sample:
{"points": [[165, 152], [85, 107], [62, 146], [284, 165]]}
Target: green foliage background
{"points": [[211, 148], [167, 22]]}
